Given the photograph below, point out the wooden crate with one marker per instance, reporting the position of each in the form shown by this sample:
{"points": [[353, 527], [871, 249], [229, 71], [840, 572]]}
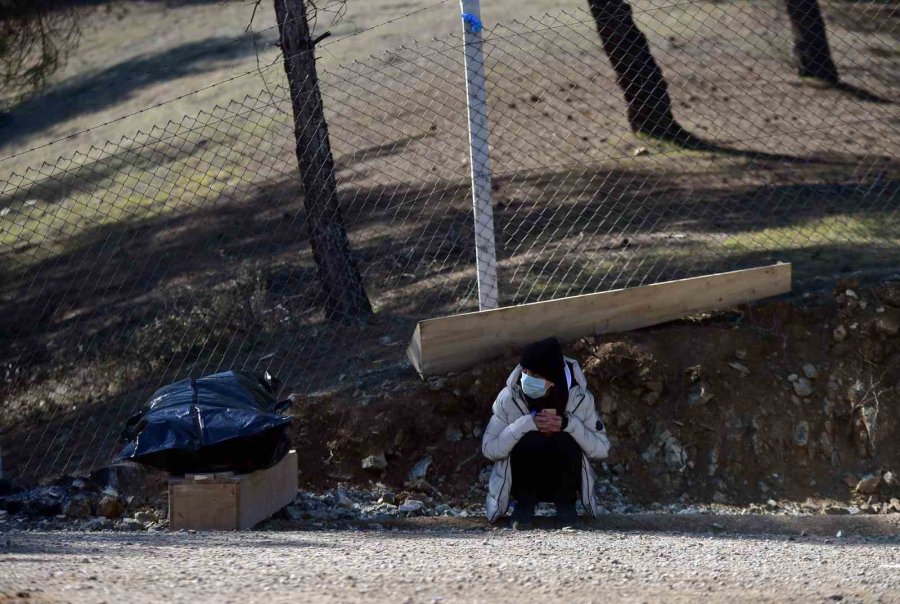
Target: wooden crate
{"points": [[227, 501]]}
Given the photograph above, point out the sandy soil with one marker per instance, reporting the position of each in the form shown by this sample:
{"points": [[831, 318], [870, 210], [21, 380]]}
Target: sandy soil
{"points": [[661, 561], [136, 54]]}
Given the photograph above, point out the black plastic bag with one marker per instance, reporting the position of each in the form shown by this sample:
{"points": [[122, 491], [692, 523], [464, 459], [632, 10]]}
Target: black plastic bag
{"points": [[229, 421]]}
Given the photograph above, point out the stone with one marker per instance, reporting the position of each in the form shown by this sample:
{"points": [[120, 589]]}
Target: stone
{"points": [[437, 383], [77, 507], [342, 500], [412, 505], [110, 507], [825, 444], [675, 455], [836, 510], [793, 377], [420, 469], [869, 484], [375, 462], [130, 524], [655, 386], [887, 324], [803, 387], [890, 479], [484, 476], [99, 524], [720, 497], [385, 341], [699, 394], [853, 510], [810, 371], [453, 434], [145, 517], [713, 459], [293, 513], [651, 398], [851, 481], [893, 506], [388, 497], [739, 367], [839, 333], [638, 151], [801, 434], [607, 403], [740, 354], [664, 442]]}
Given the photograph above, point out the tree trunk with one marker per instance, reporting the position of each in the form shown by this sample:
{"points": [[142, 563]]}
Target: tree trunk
{"points": [[345, 296], [638, 75], [810, 41]]}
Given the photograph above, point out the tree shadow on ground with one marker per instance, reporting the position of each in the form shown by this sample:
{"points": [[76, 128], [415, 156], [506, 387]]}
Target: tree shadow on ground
{"points": [[97, 91], [117, 266], [116, 287]]}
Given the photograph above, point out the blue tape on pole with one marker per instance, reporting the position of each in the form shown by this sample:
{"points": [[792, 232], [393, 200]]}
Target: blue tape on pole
{"points": [[472, 21]]}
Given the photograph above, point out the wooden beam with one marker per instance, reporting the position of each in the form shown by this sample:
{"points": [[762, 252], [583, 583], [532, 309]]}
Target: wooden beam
{"points": [[460, 341]]}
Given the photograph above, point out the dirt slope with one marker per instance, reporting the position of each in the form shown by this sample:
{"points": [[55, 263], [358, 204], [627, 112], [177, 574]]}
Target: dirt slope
{"points": [[779, 400]]}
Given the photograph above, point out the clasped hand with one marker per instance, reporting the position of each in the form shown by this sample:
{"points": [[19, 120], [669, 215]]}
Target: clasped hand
{"points": [[548, 423]]}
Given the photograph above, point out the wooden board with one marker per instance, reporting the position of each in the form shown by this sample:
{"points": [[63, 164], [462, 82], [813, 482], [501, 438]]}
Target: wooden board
{"points": [[264, 493], [460, 341], [226, 502]]}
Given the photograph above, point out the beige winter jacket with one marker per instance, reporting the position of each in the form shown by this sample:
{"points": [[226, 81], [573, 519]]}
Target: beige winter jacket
{"points": [[511, 420]]}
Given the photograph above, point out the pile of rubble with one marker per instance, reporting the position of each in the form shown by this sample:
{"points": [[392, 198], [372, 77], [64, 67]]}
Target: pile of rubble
{"points": [[121, 497], [81, 508]]}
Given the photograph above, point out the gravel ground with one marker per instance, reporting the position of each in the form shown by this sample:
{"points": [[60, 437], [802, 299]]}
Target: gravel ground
{"points": [[463, 562]]}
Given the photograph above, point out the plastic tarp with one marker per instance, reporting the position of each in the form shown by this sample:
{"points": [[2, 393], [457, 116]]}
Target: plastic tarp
{"points": [[229, 421]]}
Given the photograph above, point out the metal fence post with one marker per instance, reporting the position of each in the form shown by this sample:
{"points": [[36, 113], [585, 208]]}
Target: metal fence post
{"points": [[485, 248]]}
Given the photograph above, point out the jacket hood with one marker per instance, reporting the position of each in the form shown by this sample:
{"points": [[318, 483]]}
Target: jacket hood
{"points": [[512, 381]]}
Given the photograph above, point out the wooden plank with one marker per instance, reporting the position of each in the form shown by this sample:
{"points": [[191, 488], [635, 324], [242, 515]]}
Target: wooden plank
{"points": [[203, 506], [196, 477], [227, 501], [460, 341], [264, 493]]}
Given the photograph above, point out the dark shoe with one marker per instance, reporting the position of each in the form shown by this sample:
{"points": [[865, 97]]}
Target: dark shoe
{"points": [[566, 516], [522, 518]]}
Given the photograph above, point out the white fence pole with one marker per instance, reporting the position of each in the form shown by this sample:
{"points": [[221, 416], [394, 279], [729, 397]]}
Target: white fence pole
{"points": [[485, 248]]}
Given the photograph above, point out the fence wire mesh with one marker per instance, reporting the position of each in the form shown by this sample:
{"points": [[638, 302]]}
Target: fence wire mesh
{"points": [[186, 249]]}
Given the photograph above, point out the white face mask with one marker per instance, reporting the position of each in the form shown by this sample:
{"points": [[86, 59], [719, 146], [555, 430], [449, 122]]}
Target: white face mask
{"points": [[533, 387]]}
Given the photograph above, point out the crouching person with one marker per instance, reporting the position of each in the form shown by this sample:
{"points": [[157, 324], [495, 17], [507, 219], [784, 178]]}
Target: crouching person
{"points": [[543, 431]]}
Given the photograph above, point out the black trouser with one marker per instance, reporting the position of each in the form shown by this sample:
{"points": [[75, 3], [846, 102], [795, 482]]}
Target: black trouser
{"points": [[546, 468]]}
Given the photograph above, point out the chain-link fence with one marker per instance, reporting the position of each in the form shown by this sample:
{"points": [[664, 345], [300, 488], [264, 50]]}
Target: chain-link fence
{"points": [[186, 249]]}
